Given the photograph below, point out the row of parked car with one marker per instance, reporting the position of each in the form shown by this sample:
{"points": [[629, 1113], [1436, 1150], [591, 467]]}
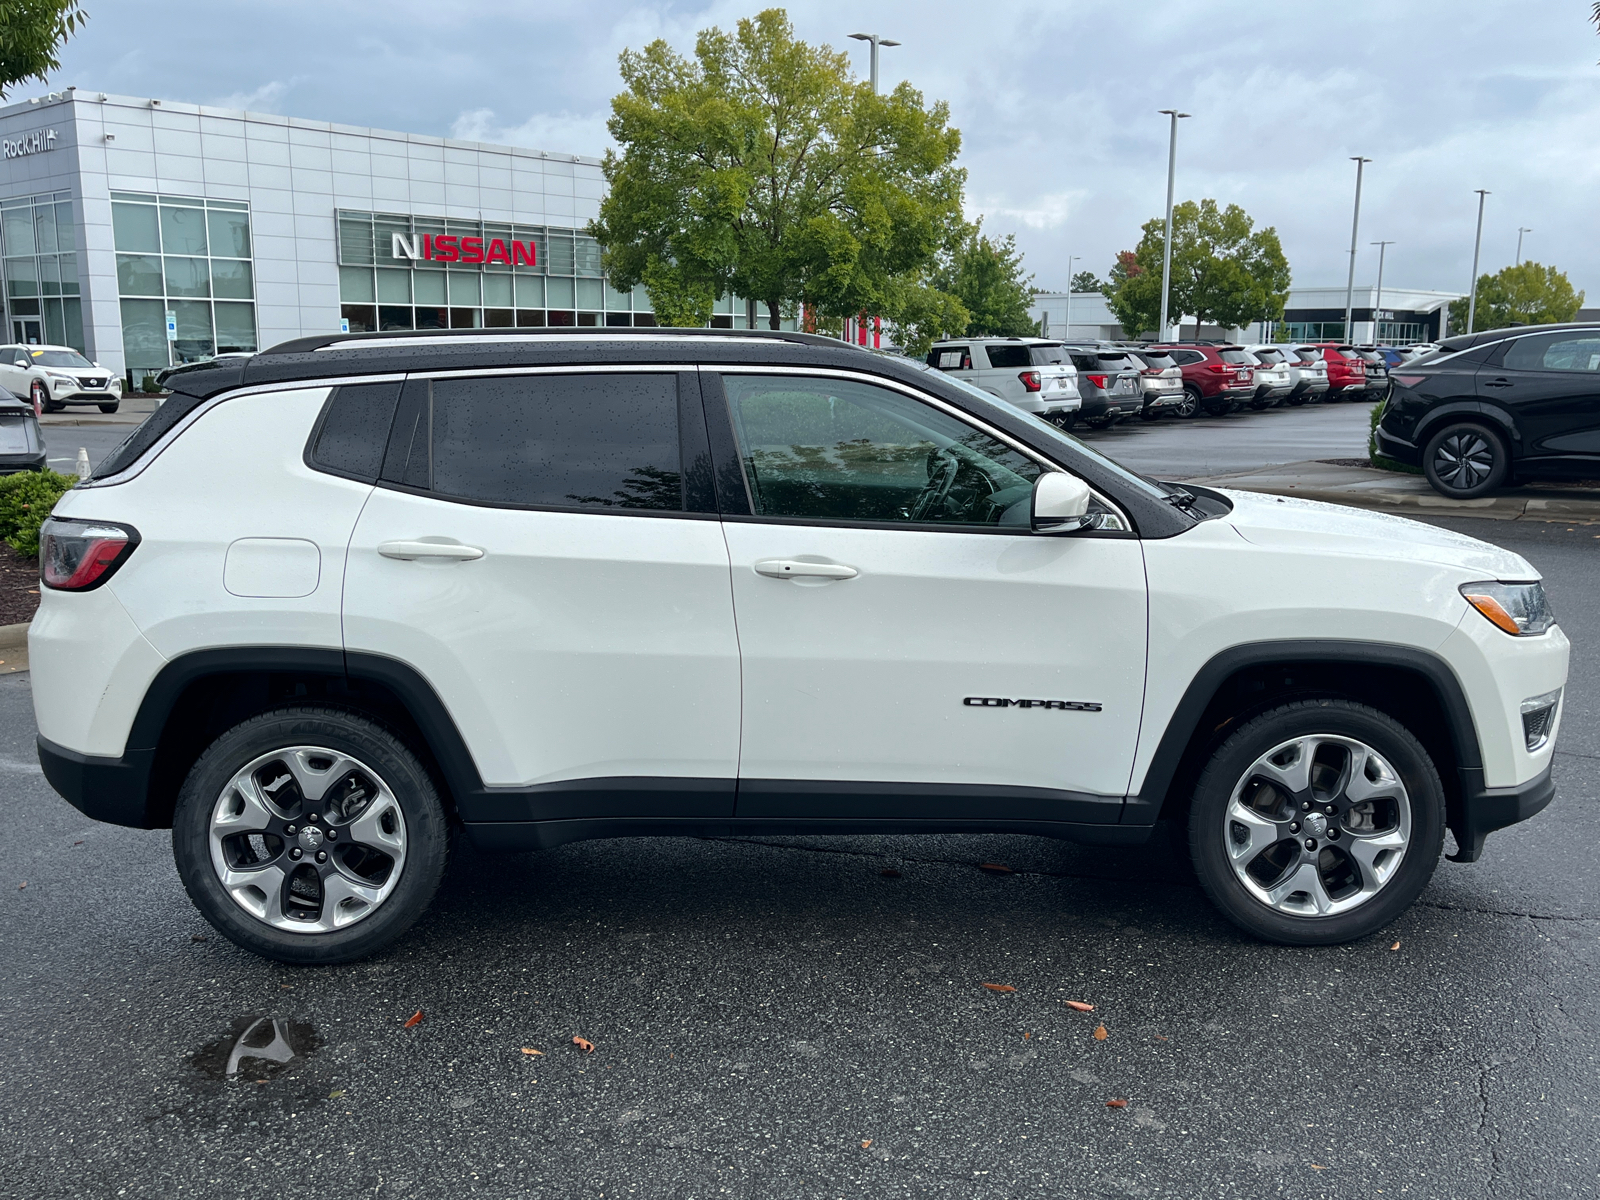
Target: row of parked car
{"points": [[1101, 383]]}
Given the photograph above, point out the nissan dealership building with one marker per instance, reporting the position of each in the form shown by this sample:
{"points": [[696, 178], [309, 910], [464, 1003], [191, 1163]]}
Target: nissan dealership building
{"points": [[148, 233]]}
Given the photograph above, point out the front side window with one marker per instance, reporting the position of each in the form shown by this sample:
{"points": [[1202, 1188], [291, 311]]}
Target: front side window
{"points": [[1555, 352], [603, 441], [838, 450]]}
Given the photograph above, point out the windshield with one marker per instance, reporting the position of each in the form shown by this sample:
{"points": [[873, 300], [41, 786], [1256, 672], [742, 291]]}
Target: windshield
{"points": [[59, 358]]}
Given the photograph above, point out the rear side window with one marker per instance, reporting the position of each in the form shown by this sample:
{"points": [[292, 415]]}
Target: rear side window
{"points": [[1556, 352], [1008, 356], [354, 430], [1186, 357], [599, 441], [950, 358]]}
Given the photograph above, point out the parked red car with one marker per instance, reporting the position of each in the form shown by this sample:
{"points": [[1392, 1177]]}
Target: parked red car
{"points": [[1216, 379], [1347, 370]]}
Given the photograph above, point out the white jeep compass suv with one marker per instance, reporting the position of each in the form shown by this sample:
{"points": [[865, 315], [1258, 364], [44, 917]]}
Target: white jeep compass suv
{"points": [[546, 586]]}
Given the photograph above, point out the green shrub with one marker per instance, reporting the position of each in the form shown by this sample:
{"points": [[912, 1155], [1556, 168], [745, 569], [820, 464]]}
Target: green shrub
{"points": [[26, 499], [1378, 460], [150, 385]]}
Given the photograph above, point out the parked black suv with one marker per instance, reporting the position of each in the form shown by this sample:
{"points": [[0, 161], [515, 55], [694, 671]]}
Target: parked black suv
{"points": [[1498, 407]]}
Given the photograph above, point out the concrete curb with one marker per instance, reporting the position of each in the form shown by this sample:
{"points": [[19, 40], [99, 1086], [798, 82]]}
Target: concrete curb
{"points": [[13, 649], [1494, 508], [12, 636]]}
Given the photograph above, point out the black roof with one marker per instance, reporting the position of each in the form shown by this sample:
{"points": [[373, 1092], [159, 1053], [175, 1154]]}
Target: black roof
{"points": [[1465, 341]]}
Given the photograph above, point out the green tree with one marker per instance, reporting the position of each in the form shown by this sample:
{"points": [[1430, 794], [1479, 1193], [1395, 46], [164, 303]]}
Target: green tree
{"points": [[763, 168], [31, 31], [1529, 294], [1224, 271], [1087, 281], [986, 277]]}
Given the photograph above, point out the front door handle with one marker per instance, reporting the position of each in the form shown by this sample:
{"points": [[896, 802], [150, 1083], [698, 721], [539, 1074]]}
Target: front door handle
{"points": [[1497, 383], [408, 551], [789, 568]]}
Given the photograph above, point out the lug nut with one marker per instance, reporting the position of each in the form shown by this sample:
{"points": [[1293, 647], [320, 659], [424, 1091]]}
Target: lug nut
{"points": [[1334, 834], [1311, 843], [315, 818], [332, 833], [1294, 826], [291, 831], [1330, 810], [1305, 806], [295, 852], [322, 856]]}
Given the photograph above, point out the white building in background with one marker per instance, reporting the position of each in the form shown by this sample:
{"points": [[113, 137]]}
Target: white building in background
{"points": [[1084, 316]]}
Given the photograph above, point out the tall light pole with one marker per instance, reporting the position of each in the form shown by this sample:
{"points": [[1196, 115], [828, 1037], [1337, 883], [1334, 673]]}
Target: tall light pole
{"points": [[1520, 231], [1071, 258], [1477, 245], [1166, 257], [1377, 301], [1355, 226], [876, 42]]}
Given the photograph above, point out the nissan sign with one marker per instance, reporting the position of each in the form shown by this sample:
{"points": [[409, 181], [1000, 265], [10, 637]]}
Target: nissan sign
{"points": [[446, 248], [36, 142]]}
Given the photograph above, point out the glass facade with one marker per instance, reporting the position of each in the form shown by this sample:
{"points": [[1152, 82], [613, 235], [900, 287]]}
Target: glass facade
{"points": [[188, 257], [563, 286], [1390, 333], [39, 259]]}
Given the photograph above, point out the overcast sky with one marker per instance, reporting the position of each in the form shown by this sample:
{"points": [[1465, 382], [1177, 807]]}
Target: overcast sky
{"points": [[1056, 103]]}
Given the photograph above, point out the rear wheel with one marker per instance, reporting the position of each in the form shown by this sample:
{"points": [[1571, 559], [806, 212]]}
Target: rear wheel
{"points": [[309, 835], [1318, 822], [1465, 460]]}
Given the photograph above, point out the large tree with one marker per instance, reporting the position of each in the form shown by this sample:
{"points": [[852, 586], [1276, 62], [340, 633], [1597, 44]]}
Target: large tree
{"points": [[763, 168], [1224, 271], [31, 31], [1529, 294], [1087, 281], [986, 276]]}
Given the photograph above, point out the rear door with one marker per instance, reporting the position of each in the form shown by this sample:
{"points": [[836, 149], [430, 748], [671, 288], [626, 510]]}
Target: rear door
{"points": [[1550, 382], [543, 547]]}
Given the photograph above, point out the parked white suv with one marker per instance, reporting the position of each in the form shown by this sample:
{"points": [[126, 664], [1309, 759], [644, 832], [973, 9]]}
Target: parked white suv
{"points": [[544, 587], [56, 376], [1033, 374]]}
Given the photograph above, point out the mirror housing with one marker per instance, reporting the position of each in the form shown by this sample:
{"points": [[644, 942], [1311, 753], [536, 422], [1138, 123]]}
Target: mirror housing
{"points": [[1060, 503]]}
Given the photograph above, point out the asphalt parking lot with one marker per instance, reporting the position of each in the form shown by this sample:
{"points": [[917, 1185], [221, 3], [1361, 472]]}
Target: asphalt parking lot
{"points": [[784, 1019]]}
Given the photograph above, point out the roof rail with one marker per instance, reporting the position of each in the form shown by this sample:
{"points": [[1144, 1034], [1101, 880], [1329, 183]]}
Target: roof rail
{"points": [[382, 340]]}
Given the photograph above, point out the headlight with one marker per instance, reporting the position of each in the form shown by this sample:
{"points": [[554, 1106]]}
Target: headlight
{"points": [[1518, 608], [63, 380]]}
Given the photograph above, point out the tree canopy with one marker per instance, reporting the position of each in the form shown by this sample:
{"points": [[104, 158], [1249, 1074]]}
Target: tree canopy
{"points": [[1087, 281], [31, 31], [1529, 294], [763, 168], [1224, 271], [985, 276]]}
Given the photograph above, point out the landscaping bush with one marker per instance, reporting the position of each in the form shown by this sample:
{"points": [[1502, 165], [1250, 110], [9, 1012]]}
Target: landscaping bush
{"points": [[26, 499], [1378, 460]]}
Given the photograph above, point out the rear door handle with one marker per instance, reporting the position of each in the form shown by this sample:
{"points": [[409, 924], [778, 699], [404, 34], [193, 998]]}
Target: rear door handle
{"points": [[408, 551], [788, 568]]}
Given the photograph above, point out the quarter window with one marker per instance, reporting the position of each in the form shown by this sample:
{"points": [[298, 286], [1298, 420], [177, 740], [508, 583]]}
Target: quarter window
{"points": [[1008, 356], [838, 450], [1555, 352]]}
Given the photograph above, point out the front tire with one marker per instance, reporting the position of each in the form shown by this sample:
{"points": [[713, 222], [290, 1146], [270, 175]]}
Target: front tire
{"points": [[1189, 406], [109, 408], [310, 835], [1465, 460], [1317, 822]]}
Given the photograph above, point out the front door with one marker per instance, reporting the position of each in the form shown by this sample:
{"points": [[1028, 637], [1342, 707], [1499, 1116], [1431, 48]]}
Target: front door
{"points": [[27, 330], [910, 649], [1551, 383], [543, 549]]}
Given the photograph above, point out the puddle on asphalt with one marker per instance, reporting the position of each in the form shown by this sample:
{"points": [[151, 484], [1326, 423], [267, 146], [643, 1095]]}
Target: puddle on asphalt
{"points": [[258, 1048]]}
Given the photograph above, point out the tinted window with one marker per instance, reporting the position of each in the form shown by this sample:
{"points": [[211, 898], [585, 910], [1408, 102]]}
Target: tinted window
{"points": [[1115, 362], [1270, 358], [1009, 356], [551, 441], [1158, 360], [950, 358], [1041, 356], [355, 429], [1236, 358], [1556, 352], [1187, 357], [839, 450]]}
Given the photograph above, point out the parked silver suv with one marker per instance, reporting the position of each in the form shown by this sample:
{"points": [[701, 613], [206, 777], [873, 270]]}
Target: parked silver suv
{"points": [[1033, 374]]}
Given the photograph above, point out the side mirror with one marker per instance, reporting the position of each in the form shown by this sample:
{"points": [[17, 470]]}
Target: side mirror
{"points": [[1060, 503]]}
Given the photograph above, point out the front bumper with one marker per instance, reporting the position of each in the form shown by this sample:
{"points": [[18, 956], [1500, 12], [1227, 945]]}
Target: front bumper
{"points": [[80, 396], [1485, 809]]}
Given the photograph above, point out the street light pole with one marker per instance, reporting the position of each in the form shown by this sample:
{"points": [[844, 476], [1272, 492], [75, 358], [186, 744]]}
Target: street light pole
{"points": [[1166, 257], [1377, 301], [1477, 245], [876, 42], [1355, 225], [1520, 232], [1071, 258]]}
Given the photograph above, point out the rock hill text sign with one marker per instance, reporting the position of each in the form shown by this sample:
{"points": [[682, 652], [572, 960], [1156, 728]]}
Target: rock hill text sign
{"points": [[36, 142]]}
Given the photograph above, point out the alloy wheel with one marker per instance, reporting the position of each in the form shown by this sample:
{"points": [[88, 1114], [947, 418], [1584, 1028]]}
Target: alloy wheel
{"points": [[1464, 460], [1317, 826], [307, 839]]}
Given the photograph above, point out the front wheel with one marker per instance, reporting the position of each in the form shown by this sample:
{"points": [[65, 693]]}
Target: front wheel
{"points": [[309, 835], [1189, 405], [1316, 823], [109, 408]]}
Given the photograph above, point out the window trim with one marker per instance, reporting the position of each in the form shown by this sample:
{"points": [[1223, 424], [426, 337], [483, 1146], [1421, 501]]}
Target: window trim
{"points": [[1510, 344]]}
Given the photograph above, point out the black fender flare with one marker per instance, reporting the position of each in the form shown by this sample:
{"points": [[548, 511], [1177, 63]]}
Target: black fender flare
{"points": [[1487, 414]]}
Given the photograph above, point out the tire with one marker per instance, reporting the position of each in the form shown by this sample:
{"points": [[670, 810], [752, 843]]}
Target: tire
{"points": [[1321, 897], [1189, 406], [1297, 400], [1258, 403], [1150, 414], [110, 408], [383, 858], [1465, 460], [1100, 422], [40, 395]]}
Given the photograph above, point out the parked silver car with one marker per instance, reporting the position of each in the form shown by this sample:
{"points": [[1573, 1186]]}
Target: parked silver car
{"points": [[1308, 374], [1274, 381], [1033, 374], [1162, 379]]}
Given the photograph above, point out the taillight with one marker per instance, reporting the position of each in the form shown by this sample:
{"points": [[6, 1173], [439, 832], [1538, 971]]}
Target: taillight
{"points": [[1099, 381], [1219, 368], [1408, 380], [1030, 380], [77, 556]]}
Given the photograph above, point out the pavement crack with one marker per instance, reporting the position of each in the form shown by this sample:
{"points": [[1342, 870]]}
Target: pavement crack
{"points": [[1506, 912]]}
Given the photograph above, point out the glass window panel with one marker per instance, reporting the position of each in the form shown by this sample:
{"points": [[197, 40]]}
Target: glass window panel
{"points": [[236, 328], [603, 441], [429, 288], [230, 279], [383, 231], [186, 201], [497, 291], [66, 239], [560, 293], [144, 197], [138, 274], [144, 333], [530, 318], [44, 228], [183, 230], [394, 287], [587, 252], [72, 311], [355, 240], [617, 301], [359, 318], [843, 451], [49, 276], [589, 294], [235, 204], [133, 228], [69, 274], [433, 318], [230, 234], [22, 277], [541, 250], [427, 225], [355, 285], [530, 292], [55, 329], [464, 288], [16, 230], [195, 340], [187, 276], [560, 261], [394, 316]]}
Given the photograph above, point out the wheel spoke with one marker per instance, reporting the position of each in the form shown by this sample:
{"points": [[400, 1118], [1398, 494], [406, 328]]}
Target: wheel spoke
{"points": [[1366, 851], [259, 890], [368, 828], [1304, 878], [314, 783], [243, 808], [346, 898], [1263, 834], [1294, 778], [1359, 784]]}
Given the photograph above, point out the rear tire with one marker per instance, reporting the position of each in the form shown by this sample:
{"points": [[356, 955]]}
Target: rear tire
{"points": [[343, 787], [1465, 460]]}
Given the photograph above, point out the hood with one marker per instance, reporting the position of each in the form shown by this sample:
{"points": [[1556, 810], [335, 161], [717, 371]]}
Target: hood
{"points": [[1288, 521]]}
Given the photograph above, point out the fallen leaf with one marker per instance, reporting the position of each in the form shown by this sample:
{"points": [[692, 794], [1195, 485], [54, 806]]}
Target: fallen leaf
{"points": [[582, 1044], [1080, 1006], [414, 1019], [889, 873], [531, 1050], [1159, 1038], [1314, 1167], [997, 868], [336, 1094], [77, 843], [866, 1144], [197, 937], [1100, 1033], [1396, 946], [1116, 1104], [22, 885], [1026, 1036], [999, 987]]}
